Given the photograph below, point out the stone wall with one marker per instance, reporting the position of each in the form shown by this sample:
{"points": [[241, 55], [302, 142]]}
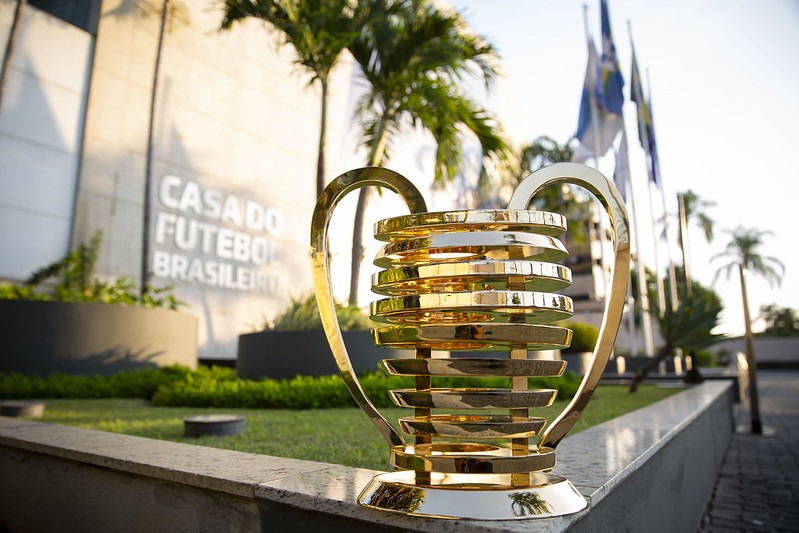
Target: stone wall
{"points": [[651, 470]]}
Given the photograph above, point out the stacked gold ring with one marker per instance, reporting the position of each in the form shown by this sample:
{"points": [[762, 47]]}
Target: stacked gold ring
{"points": [[476, 281]]}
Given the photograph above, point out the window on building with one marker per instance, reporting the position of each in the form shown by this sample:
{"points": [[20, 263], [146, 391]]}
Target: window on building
{"points": [[82, 14]]}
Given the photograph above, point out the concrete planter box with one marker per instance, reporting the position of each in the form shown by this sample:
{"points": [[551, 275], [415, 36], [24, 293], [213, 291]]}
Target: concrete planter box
{"points": [[577, 362], [671, 365], [285, 354], [87, 338]]}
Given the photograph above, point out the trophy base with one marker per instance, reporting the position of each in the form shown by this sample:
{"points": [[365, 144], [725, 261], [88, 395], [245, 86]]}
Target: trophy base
{"points": [[472, 496]]}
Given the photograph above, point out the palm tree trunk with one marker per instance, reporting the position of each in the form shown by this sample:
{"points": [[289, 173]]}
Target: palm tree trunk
{"points": [[148, 171], [754, 401], [12, 39], [320, 158], [357, 226], [652, 364]]}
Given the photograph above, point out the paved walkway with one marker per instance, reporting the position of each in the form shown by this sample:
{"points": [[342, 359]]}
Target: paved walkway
{"points": [[758, 487]]}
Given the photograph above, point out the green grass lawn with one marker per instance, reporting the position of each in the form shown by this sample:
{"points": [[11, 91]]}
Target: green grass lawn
{"points": [[340, 436]]}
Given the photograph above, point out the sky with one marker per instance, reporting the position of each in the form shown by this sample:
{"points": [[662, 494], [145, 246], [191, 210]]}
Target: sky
{"points": [[724, 84]]}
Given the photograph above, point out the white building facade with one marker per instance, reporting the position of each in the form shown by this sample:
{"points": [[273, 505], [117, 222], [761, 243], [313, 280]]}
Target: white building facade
{"points": [[233, 160]]}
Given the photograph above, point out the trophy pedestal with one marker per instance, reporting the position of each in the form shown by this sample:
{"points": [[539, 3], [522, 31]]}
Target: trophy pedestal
{"points": [[470, 496]]}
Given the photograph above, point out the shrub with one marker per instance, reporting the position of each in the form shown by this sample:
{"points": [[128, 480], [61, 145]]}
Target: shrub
{"points": [[218, 387], [704, 358], [134, 384], [584, 337], [75, 282], [303, 314], [303, 392]]}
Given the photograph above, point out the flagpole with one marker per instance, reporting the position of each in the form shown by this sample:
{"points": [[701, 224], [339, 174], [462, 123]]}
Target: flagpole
{"points": [[672, 274], [621, 181], [639, 98], [617, 177], [684, 244], [597, 148], [646, 317]]}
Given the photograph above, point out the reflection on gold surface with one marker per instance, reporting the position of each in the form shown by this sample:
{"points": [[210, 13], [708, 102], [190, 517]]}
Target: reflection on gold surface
{"points": [[472, 426], [464, 398], [471, 496], [476, 336], [419, 224], [473, 367], [480, 306], [451, 247], [483, 280], [401, 498], [470, 276], [528, 503], [469, 458]]}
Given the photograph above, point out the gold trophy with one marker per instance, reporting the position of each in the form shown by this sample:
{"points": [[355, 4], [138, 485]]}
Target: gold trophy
{"points": [[477, 280]]}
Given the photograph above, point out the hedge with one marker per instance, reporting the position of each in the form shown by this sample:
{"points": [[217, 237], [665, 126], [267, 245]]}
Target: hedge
{"points": [[219, 387]]}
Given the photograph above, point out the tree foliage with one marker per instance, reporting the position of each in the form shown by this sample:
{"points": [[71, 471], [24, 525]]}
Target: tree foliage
{"points": [[696, 211], [780, 321], [545, 151], [414, 62], [689, 326], [318, 31], [72, 279], [744, 249]]}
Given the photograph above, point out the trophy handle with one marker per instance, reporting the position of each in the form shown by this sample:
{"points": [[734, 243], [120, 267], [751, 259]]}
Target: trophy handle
{"points": [[330, 197], [598, 185]]}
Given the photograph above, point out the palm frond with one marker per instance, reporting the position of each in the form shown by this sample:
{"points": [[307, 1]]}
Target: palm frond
{"points": [[744, 249]]}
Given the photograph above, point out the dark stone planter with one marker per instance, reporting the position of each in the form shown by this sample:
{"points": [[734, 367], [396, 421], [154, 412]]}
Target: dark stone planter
{"points": [[22, 408], [577, 362], [213, 425], [88, 338], [285, 354]]}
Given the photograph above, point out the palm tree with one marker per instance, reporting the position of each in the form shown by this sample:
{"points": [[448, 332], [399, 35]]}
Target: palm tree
{"points": [[695, 207], [544, 151], [412, 62], [743, 255], [319, 31], [692, 209], [689, 326], [171, 11], [12, 40]]}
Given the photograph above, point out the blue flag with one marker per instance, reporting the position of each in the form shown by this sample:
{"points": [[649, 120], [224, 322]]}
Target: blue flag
{"points": [[612, 80], [590, 89], [653, 149], [646, 130], [594, 121]]}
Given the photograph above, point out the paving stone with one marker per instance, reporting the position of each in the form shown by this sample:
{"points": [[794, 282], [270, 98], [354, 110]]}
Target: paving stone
{"points": [[758, 486]]}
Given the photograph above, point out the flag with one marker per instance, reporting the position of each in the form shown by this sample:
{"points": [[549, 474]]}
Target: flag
{"points": [[653, 150], [622, 171], [593, 119], [637, 96], [612, 99], [590, 88], [646, 132]]}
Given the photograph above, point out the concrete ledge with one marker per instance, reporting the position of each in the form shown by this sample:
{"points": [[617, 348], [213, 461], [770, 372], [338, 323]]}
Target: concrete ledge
{"points": [[650, 470]]}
